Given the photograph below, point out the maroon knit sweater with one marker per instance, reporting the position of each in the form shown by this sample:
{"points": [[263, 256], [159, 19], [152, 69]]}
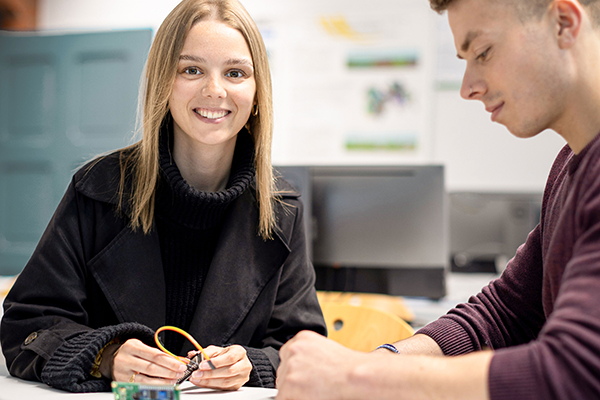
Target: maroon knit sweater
{"points": [[542, 316]]}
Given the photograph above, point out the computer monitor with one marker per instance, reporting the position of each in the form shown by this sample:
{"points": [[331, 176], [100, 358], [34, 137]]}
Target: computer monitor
{"points": [[379, 229]]}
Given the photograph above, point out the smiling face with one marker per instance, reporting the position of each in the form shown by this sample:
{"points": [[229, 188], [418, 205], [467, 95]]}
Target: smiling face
{"points": [[513, 67], [214, 88]]}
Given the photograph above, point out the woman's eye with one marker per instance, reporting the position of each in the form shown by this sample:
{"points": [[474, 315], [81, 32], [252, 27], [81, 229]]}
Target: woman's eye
{"points": [[192, 71], [235, 74]]}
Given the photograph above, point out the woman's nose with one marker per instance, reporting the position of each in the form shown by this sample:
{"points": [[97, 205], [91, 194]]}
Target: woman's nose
{"points": [[213, 87]]}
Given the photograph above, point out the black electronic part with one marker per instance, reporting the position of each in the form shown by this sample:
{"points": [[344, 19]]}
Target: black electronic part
{"points": [[192, 366]]}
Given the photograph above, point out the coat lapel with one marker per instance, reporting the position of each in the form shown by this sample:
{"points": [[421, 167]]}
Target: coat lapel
{"points": [[129, 271], [242, 265]]}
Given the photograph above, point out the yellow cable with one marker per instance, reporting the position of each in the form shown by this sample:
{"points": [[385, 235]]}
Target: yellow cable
{"points": [[187, 336]]}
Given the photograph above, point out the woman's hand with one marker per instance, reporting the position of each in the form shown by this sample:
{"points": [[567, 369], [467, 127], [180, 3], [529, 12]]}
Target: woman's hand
{"points": [[144, 364], [232, 368]]}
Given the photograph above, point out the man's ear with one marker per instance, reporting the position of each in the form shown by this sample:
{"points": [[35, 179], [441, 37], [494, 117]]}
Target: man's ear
{"points": [[567, 16]]}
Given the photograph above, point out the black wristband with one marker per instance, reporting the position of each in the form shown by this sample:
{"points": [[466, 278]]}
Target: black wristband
{"points": [[389, 347]]}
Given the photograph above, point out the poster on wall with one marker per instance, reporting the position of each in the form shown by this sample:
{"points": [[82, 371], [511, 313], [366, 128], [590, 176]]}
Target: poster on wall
{"points": [[352, 81]]}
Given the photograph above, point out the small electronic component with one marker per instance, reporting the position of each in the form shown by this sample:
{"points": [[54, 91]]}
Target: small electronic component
{"points": [[193, 365], [137, 391]]}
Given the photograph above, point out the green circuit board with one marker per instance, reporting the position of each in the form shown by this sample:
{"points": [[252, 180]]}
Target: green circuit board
{"points": [[136, 391]]}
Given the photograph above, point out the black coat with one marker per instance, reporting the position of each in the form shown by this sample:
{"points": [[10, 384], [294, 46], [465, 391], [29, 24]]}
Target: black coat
{"points": [[91, 277]]}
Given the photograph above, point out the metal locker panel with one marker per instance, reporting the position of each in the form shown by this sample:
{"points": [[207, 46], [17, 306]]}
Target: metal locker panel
{"points": [[63, 99]]}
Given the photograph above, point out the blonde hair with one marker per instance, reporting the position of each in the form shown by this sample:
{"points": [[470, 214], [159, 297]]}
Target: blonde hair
{"points": [[141, 159]]}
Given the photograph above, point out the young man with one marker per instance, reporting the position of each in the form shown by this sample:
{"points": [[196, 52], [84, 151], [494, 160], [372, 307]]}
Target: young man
{"points": [[534, 333]]}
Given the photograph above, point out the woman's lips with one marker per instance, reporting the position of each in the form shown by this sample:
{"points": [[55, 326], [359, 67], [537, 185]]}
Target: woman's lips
{"points": [[212, 115]]}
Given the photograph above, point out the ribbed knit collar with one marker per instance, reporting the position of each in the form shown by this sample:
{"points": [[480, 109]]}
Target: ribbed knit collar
{"points": [[176, 200], [577, 158]]}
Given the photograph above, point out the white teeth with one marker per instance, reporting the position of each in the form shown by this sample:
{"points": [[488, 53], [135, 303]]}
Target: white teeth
{"points": [[211, 114]]}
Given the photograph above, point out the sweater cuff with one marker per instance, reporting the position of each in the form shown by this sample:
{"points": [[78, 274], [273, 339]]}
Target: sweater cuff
{"points": [[450, 336], [263, 373], [70, 365], [512, 375]]}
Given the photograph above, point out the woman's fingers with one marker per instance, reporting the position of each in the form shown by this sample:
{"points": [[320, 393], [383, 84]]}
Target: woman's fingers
{"points": [[151, 380], [149, 365], [223, 356], [210, 351], [227, 378], [232, 368]]}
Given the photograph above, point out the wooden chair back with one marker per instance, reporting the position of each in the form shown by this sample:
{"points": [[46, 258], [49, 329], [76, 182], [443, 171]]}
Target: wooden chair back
{"points": [[392, 304], [363, 328]]}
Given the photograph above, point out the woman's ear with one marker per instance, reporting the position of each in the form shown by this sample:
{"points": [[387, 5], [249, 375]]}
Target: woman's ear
{"points": [[567, 17]]}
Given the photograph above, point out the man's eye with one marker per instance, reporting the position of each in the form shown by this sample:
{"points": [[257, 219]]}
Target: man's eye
{"points": [[192, 71], [483, 55], [235, 74]]}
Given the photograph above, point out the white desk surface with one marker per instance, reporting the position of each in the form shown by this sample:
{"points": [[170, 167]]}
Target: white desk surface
{"points": [[460, 287], [18, 389]]}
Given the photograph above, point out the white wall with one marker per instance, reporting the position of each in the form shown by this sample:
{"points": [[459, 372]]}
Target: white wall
{"points": [[478, 154], [483, 156], [105, 14]]}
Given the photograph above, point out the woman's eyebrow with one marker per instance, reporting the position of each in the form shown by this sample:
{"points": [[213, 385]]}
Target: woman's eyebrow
{"points": [[185, 57], [239, 61], [232, 61]]}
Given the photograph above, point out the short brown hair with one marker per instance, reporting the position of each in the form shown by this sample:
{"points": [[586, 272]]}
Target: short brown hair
{"points": [[529, 8], [439, 5]]}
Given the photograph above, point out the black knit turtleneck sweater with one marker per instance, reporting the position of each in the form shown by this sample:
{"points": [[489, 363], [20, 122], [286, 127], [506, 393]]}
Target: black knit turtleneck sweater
{"points": [[188, 223]]}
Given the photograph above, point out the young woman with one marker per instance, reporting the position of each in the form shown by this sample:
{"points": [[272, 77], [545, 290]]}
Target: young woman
{"points": [[186, 228]]}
